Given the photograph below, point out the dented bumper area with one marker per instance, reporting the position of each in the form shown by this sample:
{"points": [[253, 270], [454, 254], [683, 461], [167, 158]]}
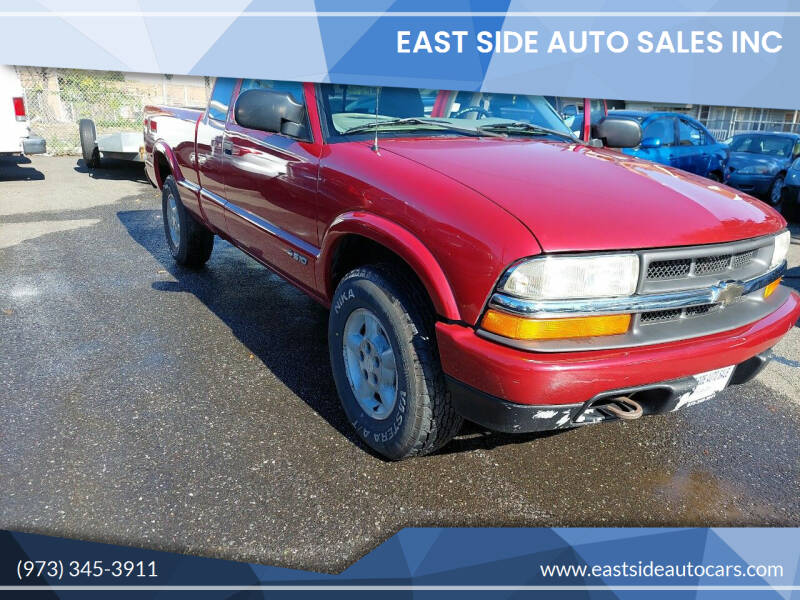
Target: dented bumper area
{"points": [[497, 414], [510, 390]]}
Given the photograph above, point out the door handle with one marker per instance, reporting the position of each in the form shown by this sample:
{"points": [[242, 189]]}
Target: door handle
{"points": [[227, 147]]}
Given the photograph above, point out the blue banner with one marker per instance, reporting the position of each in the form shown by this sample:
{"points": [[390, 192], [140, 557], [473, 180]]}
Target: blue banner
{"points": [[736, 54], [495, 563]]}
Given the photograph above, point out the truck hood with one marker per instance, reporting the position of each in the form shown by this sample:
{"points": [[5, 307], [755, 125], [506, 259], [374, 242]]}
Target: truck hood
{"points": [[575, 197]]}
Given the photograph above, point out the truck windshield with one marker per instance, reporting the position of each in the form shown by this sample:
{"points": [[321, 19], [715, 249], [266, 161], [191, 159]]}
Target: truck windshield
{"points": [[350, 110]]}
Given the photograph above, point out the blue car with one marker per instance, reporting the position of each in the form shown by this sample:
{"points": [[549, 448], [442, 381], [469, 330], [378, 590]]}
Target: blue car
{"points": [[759, 163], [678, 141], [790, 198]]}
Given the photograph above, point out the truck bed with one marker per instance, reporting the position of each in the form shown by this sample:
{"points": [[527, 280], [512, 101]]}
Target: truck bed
{"points": [[175, 125]]}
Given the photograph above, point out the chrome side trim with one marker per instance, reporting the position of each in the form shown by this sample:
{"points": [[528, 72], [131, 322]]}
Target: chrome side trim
{"points": [[204, 193], [274, 230], [189, 185], [630, 304], [262, 224]]}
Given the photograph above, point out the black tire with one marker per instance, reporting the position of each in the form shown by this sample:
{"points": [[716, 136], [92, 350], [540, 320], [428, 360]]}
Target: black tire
{"points": [[778, 181], [715, 176], [422, 419], [88, 135], [194, 242], [790, 206]]}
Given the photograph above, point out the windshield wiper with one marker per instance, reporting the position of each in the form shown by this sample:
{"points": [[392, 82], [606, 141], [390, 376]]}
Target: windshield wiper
{"points": [[522, 127], [418, 121]]}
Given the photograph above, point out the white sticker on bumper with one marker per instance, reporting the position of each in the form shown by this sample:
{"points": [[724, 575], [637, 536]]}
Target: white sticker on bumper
{"points": [[709, 384]]}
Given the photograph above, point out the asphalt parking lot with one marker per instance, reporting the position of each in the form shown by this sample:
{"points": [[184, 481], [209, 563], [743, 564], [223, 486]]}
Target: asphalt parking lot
{"points": [[194, 411]]}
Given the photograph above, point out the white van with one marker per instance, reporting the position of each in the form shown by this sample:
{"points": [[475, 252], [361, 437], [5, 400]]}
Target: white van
{"points": [[15, 134]]}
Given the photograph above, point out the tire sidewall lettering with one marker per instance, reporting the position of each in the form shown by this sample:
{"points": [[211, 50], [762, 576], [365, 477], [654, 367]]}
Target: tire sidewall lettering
{"points": [[376, 431], [346, 295]]}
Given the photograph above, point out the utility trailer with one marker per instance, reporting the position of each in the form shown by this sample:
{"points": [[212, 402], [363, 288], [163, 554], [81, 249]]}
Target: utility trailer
{"points": [[121, 145]]}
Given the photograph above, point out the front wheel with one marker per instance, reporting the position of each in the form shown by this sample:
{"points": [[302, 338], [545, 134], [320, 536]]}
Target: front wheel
{"points": [[386, 366], [776, 192], [190, 243]]}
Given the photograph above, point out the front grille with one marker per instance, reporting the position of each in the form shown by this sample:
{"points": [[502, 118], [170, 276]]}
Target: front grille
{"points": [[707, 265], [743, 259], [659, 316], [662, 316], [712, 264], [703, 266], [669, 269], [694, 311]]}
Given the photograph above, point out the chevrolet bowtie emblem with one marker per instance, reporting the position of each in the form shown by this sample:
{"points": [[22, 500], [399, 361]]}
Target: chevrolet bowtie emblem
{"points": [[728, 292]]}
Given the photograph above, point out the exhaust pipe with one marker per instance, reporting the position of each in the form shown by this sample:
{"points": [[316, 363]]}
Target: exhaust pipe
{"points": [[622, 407]]}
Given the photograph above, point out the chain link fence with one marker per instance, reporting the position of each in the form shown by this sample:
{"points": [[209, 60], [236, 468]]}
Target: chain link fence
{"points": [[56, 99]]}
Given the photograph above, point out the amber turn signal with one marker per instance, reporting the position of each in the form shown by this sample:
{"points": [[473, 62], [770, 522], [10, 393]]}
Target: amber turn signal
{"points": [[520, 328], [771, 287]]}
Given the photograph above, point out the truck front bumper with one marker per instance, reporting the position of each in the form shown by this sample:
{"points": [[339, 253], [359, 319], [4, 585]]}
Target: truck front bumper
{"points": [[506, 389]]}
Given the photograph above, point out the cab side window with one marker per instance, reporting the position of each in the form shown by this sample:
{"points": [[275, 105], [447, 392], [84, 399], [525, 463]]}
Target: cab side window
{"points": [[221, 98]]}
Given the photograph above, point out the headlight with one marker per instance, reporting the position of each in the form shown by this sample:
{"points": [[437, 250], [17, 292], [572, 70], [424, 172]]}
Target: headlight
{"points": [[782, 241], [756, 170], [565, 277]]}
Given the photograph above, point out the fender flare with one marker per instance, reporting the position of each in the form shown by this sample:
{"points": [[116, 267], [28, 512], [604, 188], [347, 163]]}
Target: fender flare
{"points": [[161, 147], [399, 240]]}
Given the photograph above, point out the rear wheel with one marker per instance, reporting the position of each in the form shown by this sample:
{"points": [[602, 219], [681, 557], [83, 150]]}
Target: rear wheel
{"points": [[189, 241], [89, 151], [386, 366]]}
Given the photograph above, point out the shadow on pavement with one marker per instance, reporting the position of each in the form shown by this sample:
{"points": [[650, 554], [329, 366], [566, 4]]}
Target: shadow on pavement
{"points": [[281, 326], [474, 437], [115, 170], [15, 168]]}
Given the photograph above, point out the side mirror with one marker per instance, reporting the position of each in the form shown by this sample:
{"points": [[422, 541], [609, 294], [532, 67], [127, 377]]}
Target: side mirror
{"points": [[267, 110], [619, 133], [651, 142]]}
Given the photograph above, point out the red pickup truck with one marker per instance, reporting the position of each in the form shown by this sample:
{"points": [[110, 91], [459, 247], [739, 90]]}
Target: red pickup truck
{"points": [[479, 261]]}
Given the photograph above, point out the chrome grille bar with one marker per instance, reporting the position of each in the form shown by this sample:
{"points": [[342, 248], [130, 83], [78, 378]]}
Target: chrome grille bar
{"points": [[631, 304]]}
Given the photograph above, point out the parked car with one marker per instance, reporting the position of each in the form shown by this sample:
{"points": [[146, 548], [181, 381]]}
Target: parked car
{"points": [[790, 202], [759, 161], [677, 141], [479, 268], [15, 133]]}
